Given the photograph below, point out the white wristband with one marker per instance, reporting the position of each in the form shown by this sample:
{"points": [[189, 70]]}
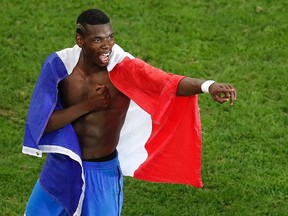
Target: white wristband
{"points": [[205, 86]]}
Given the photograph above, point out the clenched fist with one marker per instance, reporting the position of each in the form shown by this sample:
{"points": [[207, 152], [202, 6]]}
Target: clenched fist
{"points": [[98, 97]]}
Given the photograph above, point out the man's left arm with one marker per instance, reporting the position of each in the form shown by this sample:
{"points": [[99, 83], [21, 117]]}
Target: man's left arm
{"points": [[220, 92]]}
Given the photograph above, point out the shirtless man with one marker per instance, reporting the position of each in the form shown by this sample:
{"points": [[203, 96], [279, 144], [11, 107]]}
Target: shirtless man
{"points": [[97, 112], [91, 99]]}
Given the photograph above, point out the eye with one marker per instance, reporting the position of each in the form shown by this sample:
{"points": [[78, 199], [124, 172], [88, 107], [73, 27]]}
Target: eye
{"points": [[97, 40]]}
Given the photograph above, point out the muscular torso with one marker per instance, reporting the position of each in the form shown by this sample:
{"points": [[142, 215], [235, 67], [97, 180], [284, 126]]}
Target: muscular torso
{"points": [[98, 131]]}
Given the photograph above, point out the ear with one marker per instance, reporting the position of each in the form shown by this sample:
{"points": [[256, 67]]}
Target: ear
{"points": [[79, 40]]}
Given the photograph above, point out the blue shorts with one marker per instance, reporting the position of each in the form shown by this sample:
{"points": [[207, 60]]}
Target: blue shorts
{"points": [[104, 188], [103, 194]]}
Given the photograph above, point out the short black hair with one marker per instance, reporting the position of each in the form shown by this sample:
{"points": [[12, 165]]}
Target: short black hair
{"points": [[91, 17]]}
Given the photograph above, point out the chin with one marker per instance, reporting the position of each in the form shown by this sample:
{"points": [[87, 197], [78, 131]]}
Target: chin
{"points": [[102, 65]]}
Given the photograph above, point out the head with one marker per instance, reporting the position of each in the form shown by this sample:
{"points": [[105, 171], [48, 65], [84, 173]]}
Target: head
{"points": [[95, 36]]}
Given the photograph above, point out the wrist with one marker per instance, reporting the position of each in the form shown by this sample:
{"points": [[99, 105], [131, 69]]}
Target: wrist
{"points": [[205, 85]]}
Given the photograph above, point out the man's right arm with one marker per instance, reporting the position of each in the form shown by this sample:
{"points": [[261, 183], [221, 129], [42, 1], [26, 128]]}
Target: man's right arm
{"points": [[60, 118], [98, 99]]}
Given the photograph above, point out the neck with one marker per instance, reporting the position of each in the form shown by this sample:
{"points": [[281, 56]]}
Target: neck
{"points": [[89, 67]]}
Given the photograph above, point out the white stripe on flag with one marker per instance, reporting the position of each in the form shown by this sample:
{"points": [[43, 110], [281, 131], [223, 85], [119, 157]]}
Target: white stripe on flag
{"points": [[134, 135]]}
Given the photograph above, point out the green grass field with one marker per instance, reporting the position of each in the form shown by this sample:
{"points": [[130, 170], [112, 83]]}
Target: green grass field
{"points": [[245, 152]]}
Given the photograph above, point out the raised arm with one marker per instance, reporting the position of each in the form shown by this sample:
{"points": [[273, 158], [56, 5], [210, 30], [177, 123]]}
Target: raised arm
{"points": [[220, 92]]}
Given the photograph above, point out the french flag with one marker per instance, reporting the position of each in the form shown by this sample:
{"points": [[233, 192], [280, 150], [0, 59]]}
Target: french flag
{"points": [[160, 140]]}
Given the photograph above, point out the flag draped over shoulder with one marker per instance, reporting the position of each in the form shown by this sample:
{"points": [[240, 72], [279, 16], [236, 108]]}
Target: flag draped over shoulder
{"points": [[160, 140]]}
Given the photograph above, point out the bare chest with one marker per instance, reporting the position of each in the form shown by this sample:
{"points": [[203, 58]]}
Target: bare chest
{"points": [[76, 88]]}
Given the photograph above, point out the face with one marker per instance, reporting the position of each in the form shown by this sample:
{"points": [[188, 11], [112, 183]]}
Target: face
{"points": [[97, 43]]}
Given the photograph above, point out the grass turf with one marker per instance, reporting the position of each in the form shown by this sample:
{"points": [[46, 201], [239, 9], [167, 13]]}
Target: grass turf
{"points": [[242, 42]]}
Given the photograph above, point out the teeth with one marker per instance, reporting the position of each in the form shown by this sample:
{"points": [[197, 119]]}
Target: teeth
{"points": [[104, 57]]}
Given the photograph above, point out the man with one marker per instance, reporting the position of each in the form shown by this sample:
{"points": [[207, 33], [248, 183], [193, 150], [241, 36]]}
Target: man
{"points": [[94, 102]]}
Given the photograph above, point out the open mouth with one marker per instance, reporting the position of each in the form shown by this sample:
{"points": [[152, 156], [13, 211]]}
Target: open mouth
{"points": [[104, 57]]}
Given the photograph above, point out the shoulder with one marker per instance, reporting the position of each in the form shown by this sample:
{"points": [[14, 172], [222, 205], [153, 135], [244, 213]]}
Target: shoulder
{"points": [[69, 57]]}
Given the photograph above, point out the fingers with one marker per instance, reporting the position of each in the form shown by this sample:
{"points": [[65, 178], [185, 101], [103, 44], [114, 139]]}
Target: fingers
{"points": [[231, 96], [99, 96], [219, 99], [104, 94], [102, 90], [223, 93], [99, 87]]}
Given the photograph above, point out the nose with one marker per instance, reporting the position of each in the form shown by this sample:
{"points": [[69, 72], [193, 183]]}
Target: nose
{"points": [[106, 43]]}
